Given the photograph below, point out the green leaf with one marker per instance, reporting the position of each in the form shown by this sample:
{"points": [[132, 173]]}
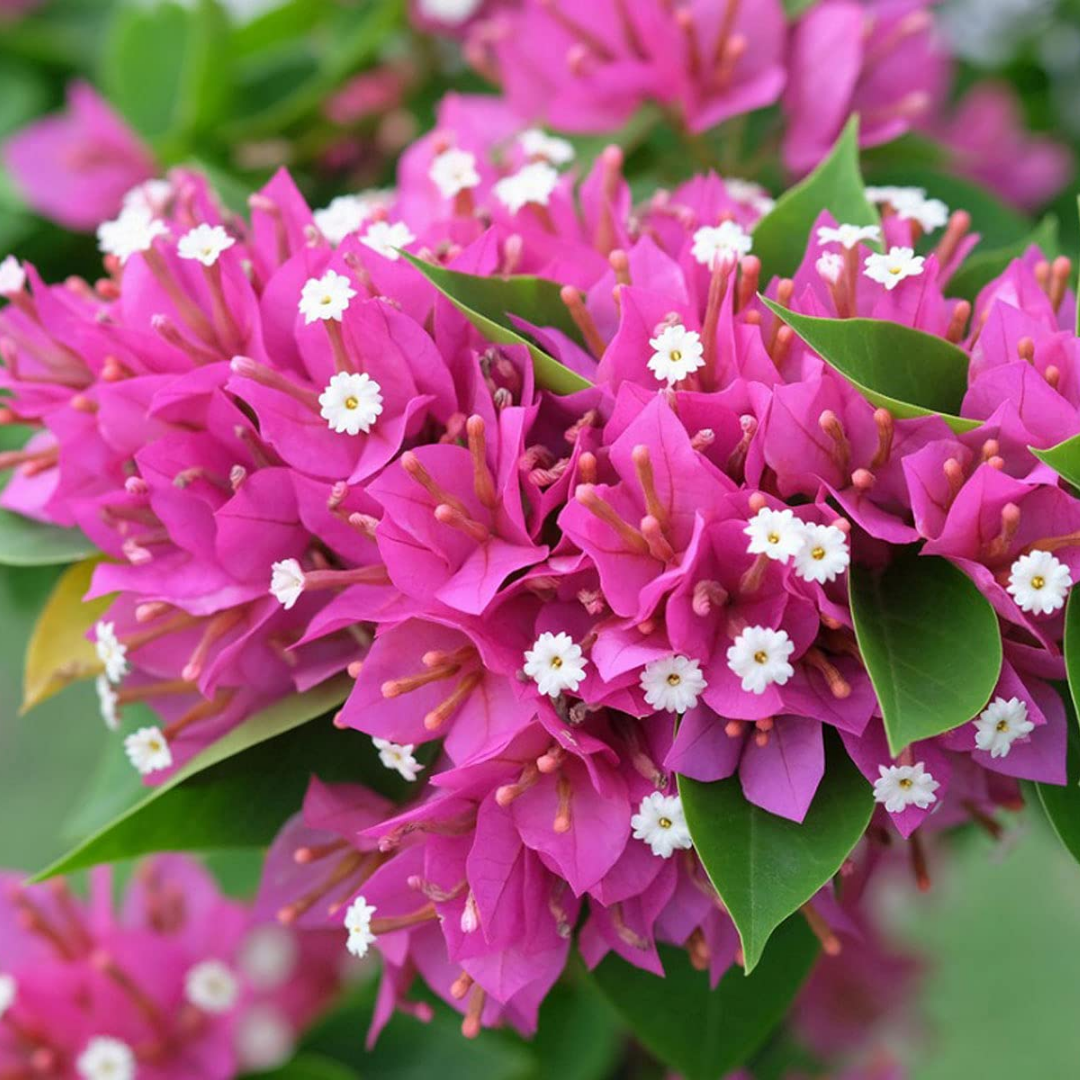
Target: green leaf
{"points": [[766, 867], [485, 302], [1064, 459], [577, 1037], [58, 652], [24, 542], [930, 642], [700, 1033], [308, 1067], [906, 371], [236, 793], [166, 68], [981, 267], [794, 8], [835, 185], [1062, 802]]}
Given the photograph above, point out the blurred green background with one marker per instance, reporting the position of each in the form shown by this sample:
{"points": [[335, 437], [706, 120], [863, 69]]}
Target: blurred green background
{"points": [[999, 931]]}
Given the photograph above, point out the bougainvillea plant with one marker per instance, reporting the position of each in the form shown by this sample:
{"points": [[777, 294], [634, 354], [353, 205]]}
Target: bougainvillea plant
{"points": [[568, 587]]}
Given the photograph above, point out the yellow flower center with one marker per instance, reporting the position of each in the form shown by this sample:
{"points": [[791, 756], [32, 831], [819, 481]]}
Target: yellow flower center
{"points": [[352, 402], [1038, 581], [773, 538], [761, 656], [818, 554], [664, 823], [673, 679], [556, 662], [676, 355], [1003, 725], [906, 782]]}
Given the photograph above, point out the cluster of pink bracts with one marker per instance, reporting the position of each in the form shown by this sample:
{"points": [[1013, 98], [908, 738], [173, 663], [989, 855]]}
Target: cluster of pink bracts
{"points": [[181, 982], [300, 459]]}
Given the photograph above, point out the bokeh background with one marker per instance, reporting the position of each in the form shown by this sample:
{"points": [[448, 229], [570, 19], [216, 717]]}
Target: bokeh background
{"points": [[999, 932]]}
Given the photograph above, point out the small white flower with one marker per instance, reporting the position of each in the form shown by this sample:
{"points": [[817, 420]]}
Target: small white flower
{"points": [[661, 823], [148, 750], [343, 216], [672, 683], [454, 171], [848, 236], [12, 276], [892, 194], [451, 12], [901, 786], [717, 245], [286, 582], [532, 184], [760, 658], [539, 144], [212, 987], [151, 195], [111, 651], [105, 1058], [1039, 583], [268, 956], [678, 352], [891, 268], [385, 238], [749, 194], [204, 243], [555, 663], [8, 989], [351, 403], [108, 701], [913, 205], [830, 267], [134, 230], [264, 1038], [398, 758], [1000, 724], [358, 923], [776, 533], [824, 554], [326, 297]]}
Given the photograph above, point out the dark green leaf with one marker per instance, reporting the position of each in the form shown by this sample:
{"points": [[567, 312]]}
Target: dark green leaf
{"points": [[237, 792], [577, 1037], [906, 371], [23, 94], [700, 1033], [410, 1050], [835, 185], [766, 867], [1064, 459], [1061, 802], [485, 302], [980, 268], [24, 542], [930, 642], [308, 1067]]}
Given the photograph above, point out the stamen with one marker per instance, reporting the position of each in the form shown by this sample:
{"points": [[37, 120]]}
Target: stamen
{"points": [[483, 481], [169, 332], [450, 515], [863, 480], [461, 986], [958, 227], [203, 711], [166, 687], [583, 320], [698, 949], [839, 687], [840, 453], [342, 360], [659, 548], [1025, 349], [396, 687], [954, 475], [389, 924], [589, 497], [247, 368], [506, 794], [886, 430], [1060, 272], [302, 856], [411, 464], [752, 579], [749, 281], [958, 323], [707, 596], [445, 709], [142, 1001], [470, 1026], [918, 862], [644, 470], [343, 869], [717, 290], [830, 943], [998, 548]]}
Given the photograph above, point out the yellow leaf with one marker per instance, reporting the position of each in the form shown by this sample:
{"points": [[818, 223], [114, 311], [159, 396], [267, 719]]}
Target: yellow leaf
{"points": [[58, 652]]}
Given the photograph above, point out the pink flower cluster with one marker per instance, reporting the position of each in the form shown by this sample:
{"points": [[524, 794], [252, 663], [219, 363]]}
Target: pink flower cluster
{"points": [[181, 982], [550, 604]]}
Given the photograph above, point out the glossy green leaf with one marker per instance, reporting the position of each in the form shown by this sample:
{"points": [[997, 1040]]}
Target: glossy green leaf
{"points": [[236, 793], [308, 1067], [766, 867], [835, 185], [930, 642], [1064, 459], [24, 542], [486, 302], [700, 1033], [906, 371], [59, 652], [981, 267]]}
